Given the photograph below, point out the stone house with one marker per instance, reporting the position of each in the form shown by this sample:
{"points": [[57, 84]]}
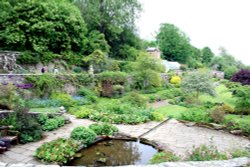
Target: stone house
{"points": [[155, 52]]}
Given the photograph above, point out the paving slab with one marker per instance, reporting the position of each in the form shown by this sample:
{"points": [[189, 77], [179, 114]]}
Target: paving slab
{"points": [[173, 135]]}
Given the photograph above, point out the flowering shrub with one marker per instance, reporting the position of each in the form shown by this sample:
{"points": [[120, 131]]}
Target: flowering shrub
{"points": [[206, 153], [176, 80]]}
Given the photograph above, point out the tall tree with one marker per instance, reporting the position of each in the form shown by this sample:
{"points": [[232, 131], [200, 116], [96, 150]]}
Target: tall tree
{"points": [[41, 26], [110, 17], [197, 82], [207, 55], [173, 43]]}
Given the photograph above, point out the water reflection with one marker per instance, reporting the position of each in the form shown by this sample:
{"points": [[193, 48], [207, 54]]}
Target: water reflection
{"points": [[115, 152]]}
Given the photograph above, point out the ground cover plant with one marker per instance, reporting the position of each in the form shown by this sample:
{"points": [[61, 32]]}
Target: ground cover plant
{"points": [[206, 153], [84, 135], [115, 111], [59, 151], [164, 157], [103, 129]]}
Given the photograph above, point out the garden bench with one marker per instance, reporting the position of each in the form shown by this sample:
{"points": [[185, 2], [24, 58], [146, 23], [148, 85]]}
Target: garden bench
{"points": [[7, 134]]}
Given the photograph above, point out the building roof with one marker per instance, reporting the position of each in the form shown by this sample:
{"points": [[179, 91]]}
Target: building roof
{"points": [[171, 65], [152, 49]]}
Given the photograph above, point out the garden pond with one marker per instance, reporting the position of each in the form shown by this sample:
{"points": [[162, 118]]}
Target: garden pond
{"points": [[115, 152]]}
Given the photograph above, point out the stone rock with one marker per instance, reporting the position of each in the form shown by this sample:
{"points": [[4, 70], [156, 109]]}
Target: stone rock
{"points": [[62, 108], [21, 165], [78, 155], [67, 120], [102, 160], [236, 132], [3, 164], [247, 147], [190, 124], [217, 126]]}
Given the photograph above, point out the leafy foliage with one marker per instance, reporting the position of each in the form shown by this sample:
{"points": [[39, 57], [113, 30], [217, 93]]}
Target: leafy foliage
{"points": [[42, 27], [196, 115], [65, 99], [217, 114], [88, 94], [206, 153], [147, 72], [135, 99], [44, 85], [173, 43], [85, 135], [176, 80], [164, 157], [243, 76], [28, 126], [8, 96], [59, 151], [103, 129], [116, 111], [53, 123], [81, 112], [115, 19], [197, 82], [207, 55], [243, 100]]}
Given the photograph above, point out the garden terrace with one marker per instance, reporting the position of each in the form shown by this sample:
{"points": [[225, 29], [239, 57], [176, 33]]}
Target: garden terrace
{"points": [[172, 135]]}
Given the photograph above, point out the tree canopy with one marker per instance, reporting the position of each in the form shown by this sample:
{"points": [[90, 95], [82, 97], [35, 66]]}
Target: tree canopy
{"points": [[42, 26], [173, 43], [113, 18]]}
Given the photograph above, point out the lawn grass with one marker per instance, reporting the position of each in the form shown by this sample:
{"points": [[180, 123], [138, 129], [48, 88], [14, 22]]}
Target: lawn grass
{"points": [[48, 109], [173, 111], [223, 95], [236, 118]]}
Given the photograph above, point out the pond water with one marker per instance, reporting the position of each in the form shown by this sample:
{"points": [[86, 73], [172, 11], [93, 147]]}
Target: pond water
{"points": [[115, 152]]}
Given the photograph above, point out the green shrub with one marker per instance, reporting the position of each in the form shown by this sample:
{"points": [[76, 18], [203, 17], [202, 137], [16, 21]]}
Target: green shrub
{"points": [[176, 80], [135, 99], [28, 57], [88, 94], [53, 123], [164, 157], [81, 112], [206, 153], [42, 118], [65, 99], [58, 151], [217, 114], [8, 96], [196, 115], [157, 116], [240, 153], [103, 129], [118, 90], [44, 85], [116, 111], [85, 135], [243, 100], [77, 70]]}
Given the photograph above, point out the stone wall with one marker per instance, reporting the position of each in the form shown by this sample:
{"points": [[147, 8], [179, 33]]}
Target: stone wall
{"points": [[237, 162], [8, 61]]}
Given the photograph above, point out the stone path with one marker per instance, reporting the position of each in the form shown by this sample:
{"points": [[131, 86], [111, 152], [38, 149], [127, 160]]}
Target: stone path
{"points": [[172, 135]]}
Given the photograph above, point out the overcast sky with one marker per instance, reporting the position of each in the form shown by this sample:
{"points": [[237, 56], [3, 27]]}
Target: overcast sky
{"points": [[212, 23]]}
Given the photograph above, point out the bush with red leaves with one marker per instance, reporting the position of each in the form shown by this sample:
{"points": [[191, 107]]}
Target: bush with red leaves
{"points": [[243, 76]]}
